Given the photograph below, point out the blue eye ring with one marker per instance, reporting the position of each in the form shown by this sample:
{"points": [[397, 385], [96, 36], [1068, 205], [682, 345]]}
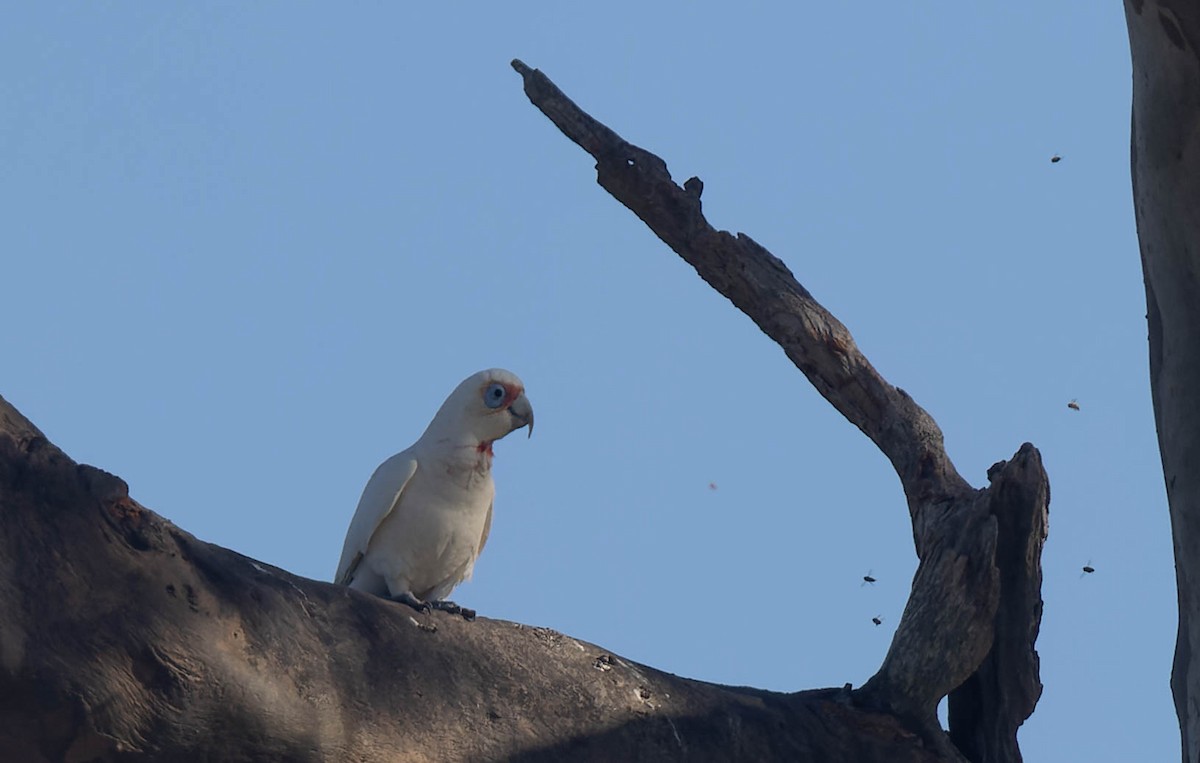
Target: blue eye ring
{"points": [[494, 395]]}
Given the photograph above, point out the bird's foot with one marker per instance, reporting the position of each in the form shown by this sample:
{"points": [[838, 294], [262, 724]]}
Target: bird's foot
{"points": [[412, 601], [453, 609]]}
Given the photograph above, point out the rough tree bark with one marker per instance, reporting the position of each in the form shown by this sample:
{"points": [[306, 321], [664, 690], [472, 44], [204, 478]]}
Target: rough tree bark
{"points": [[1165, 158], [125, 638]]}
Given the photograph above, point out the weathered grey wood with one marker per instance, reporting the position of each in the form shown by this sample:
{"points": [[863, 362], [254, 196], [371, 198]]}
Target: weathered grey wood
{"points": [[975, 604], [1165, 148]]}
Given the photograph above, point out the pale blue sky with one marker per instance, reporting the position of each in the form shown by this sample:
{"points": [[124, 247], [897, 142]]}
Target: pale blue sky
{"points": [[249, 248]]}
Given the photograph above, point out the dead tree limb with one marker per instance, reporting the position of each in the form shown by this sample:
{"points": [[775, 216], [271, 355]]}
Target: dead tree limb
{"points": [[975, 608]]}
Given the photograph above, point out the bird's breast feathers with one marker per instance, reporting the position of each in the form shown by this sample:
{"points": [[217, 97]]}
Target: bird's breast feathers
{"points": [[433, 536], [467, 467]]}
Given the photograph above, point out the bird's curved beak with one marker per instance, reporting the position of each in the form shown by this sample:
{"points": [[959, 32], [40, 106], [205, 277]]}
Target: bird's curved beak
{"points": [[522, 413]]}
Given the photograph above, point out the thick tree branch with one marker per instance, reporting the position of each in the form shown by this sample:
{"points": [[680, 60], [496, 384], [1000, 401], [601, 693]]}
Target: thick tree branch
{"points": [[975, 608], [124, 638]]}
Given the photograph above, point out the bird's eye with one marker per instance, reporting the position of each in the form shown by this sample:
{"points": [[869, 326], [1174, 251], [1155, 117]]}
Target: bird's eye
{"points": [[494, 395]]}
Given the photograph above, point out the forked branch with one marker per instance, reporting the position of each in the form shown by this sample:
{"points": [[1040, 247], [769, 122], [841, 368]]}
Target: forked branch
{"points": [[975, 607]]}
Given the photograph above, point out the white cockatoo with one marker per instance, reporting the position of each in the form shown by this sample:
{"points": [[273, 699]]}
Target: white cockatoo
{"points": [[425, 514]]}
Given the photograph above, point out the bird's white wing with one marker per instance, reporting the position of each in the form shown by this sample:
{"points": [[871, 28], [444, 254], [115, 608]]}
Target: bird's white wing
{"points": [[379, 497], [487, 529]]}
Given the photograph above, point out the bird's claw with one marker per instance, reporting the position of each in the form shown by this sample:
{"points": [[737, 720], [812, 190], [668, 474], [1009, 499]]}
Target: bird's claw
{"points": [[450, 607], [412, 601]]}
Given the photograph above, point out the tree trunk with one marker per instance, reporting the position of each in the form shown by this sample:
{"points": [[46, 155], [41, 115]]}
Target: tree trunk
{"points": [[1165, 148], [125, 638]]}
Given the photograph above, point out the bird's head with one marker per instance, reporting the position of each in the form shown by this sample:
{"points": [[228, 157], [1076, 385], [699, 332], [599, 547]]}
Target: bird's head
{"points": [[483, 408]]}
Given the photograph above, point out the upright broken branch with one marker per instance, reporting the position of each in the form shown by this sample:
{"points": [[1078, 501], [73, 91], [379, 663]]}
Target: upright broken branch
{"points": [[975, 607]]}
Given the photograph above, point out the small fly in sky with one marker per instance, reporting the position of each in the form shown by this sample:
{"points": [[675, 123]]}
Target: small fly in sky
{"points": [[1055, 159], [1073, 405], [868, 579], [877, 620]]}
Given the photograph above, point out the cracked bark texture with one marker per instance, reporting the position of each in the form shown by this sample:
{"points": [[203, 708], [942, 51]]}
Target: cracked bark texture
{"points": [[972, 618], [1165, 159]]}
